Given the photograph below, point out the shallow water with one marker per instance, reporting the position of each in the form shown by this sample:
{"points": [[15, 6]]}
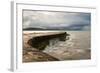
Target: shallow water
{"points": [[77, 47]]}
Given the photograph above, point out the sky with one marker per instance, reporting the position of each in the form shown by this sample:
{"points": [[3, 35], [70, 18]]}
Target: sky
{"points": [[56, 20]]}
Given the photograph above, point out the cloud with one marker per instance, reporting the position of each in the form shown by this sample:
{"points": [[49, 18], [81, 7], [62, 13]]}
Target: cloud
{"points": [[60, 20]]}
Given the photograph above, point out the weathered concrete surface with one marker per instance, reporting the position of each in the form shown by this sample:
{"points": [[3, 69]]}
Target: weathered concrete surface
{"points": [[34, 55]]}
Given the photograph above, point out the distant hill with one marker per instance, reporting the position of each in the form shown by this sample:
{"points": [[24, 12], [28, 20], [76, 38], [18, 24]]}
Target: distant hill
{"points": [[33, 28], [75, 28], [30, 29]]}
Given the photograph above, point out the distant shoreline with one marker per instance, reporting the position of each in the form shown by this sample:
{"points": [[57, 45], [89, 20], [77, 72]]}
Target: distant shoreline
{"points": [[32, 31]]}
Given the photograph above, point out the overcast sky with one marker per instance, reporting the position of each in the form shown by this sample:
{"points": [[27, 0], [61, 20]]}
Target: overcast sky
{"points": [[56, 20]]}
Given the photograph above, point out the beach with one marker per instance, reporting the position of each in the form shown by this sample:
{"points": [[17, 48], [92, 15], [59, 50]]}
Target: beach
{"points": [[77, 47]]}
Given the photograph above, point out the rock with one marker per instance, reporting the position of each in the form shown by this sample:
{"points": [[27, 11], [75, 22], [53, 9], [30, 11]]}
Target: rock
{"points": [[40, 42]]}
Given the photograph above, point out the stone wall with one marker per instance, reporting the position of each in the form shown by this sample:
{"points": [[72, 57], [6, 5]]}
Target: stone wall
{"points": [[40, 42]]}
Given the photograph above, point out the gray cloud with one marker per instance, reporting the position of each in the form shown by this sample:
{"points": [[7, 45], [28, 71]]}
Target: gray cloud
{"points": [[56, 20]]}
